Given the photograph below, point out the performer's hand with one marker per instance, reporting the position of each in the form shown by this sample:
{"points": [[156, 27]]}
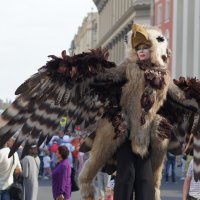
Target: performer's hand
{"points": [[122, 128]]}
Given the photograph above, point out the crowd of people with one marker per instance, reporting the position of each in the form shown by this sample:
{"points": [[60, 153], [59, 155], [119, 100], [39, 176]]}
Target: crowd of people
{"points": [[61, 162]]}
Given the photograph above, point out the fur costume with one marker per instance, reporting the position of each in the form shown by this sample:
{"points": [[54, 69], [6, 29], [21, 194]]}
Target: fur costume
{"points": [[102, 99], [143, 127]]}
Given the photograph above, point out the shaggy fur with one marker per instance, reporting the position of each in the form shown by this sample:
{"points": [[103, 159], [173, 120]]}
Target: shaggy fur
{"points": [[130, 103], [158, 151], [103, 148]]}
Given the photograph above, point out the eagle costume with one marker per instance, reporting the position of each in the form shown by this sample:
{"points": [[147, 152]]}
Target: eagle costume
{"points": [[105, 99]]}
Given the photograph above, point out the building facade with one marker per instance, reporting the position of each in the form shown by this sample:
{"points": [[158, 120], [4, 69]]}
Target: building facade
{"points": [[180, 22], [86, 37], [186, 38], [162, 18], [115, 20]]}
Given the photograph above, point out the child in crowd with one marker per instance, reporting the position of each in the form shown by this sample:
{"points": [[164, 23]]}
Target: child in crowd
{"points": [[101, 183], [109, 195], [53, 149], [47, 165]]}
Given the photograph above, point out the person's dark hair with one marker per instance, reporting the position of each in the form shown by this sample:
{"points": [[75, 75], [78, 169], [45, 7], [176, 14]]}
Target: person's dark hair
{"points": [[33, 151], [64, 152]]}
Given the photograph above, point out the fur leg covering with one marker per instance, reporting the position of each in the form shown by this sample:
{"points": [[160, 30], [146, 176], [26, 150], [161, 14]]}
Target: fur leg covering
{"points": [[158, 152], [104, 146]]}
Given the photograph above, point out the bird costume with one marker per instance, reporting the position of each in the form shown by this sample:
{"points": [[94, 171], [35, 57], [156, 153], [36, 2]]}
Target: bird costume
{"points": [[104, 100]]}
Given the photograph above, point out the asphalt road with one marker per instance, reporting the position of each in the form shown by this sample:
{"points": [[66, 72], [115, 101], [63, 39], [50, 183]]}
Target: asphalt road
{"points": [[169, 191]]}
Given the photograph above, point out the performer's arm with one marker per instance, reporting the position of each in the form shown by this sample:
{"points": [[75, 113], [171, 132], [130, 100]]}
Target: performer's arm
{"points": [[118, 73]]}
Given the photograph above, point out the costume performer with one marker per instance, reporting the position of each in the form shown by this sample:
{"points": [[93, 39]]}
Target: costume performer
{"points": [[90, 90], [134, 173]]}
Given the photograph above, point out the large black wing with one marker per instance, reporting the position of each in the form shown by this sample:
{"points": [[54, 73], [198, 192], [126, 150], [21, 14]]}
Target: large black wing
{"points": [[182, 109], [84, 87]]}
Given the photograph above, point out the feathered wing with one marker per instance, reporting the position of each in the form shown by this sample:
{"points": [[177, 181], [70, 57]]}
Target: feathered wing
{"points": [[191, 87], [84, 87], [174, 109], [182, 109]]}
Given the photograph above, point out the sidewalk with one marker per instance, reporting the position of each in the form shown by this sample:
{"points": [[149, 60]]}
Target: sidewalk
{"points": [[169, 191]]}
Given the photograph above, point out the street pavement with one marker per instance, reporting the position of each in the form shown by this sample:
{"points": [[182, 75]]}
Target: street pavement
{"points": [[169, 191]]}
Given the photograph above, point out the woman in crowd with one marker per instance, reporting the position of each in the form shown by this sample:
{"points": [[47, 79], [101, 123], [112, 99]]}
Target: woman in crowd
{"points": [[61, 176], [30, 171]]}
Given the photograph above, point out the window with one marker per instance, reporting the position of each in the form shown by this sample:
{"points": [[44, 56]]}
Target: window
{"points": [[167, 10], [159, 14]]}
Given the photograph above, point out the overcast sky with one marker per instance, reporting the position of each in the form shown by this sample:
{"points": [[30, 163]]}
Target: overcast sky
{"points": [[30, 30]]}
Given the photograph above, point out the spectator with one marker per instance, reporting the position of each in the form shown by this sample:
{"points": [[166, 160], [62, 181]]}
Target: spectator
{"points": [[30, 171], [42, 150], [183, 162], [61, 140], [65, 141], [110, 189], [63, 137], [8, 166], [74, 177], [61, 176], [53, 139], [171, 161], [191, 188], [102, 180], [47, 165], [75, 153], [54, 149], [75, 156]]}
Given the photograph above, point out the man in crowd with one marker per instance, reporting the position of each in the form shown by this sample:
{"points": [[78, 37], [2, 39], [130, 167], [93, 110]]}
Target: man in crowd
{"points": [[191, 189], [171, 161], [8, 166]]}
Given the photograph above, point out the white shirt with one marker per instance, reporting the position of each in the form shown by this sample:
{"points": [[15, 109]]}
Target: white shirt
{"points": [[7, 168], [194, 190], [46, 161]]}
